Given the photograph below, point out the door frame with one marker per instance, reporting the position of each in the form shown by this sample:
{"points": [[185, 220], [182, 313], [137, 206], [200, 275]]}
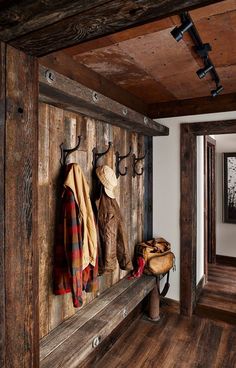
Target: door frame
{"points": [[209, 191], [188, 206]]}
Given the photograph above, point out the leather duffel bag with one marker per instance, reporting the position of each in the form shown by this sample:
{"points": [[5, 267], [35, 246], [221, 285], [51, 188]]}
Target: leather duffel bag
{"points": [[157, 255]]}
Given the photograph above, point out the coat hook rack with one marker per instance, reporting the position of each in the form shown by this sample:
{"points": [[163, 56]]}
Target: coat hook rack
{"points": [[65, 152], [118, 161], [97, 155], [135, 161]]}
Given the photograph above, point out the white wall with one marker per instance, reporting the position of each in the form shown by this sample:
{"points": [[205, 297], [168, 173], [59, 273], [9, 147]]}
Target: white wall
{"points": [[225, 233], [200, 209], [166, 186]]}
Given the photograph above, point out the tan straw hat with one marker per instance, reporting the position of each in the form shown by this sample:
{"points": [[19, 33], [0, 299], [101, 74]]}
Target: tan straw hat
{"points": [[108, 178]]}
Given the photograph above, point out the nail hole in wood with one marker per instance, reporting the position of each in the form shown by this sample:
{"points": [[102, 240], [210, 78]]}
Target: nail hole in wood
{"points": [[20, 110]]}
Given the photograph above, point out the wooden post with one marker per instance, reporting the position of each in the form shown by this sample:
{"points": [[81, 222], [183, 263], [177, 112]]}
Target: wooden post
{"points": [[2, 203], [18, 166], [154, 304]]}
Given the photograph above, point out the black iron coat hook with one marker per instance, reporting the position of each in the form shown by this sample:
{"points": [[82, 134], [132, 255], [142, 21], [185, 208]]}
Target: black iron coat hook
{"points": [[97, 155], [135, 161], [118, 161], [66, 152]]}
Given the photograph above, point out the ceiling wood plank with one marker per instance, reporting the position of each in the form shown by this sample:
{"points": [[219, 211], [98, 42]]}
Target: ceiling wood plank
{"points": [[64, 64], [23, 16], [194, 106], [125, 35], [70, 95], [107, 18]]}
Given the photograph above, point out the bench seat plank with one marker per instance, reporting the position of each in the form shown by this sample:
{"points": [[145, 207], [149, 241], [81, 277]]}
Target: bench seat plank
{"points": [[70, 343]]}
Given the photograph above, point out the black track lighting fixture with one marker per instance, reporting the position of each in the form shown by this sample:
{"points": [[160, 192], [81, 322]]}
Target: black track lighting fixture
{"points": [[203, 71], [216, 92], [178, 32], [202, 50]]}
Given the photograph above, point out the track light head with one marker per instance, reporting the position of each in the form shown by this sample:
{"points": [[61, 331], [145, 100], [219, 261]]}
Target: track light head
{"points": [[203, 71], [178, 32], [216, 92]]}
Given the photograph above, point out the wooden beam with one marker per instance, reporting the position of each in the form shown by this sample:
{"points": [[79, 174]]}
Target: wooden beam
{"points": [[21, 17], [2, 201], [73, 96], [89, 23], [64, 64], [188, 220], [194, 106], [20, 213]]}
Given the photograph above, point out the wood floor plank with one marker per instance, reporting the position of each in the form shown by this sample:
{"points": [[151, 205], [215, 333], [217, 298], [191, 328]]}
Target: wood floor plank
{"points": [[174, 342], [218, 297]]}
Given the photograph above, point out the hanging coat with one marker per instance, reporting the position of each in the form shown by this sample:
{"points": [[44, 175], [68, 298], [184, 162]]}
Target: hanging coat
{"points": [[70, 272], [113, 242]]}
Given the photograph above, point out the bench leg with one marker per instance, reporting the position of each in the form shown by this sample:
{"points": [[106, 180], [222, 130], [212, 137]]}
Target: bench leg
{"points": [[154, 304]]}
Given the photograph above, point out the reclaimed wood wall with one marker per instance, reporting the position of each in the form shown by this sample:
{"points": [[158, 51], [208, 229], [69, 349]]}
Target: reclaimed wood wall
{"points": [[57, 126]]}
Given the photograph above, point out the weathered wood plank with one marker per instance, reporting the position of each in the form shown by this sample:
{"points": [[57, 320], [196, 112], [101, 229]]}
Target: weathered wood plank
{"points": [[188, 220], [43, 218], [107, 18], [71, 95], [2, 200], [56, 134], [72, 352], [64, 331], [21, 250], [214, 127], [64, 64], [21, 17], [194, 106], [148, 189]]}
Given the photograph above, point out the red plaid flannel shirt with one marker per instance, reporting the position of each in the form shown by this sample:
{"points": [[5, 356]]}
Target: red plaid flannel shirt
{"points": [[68, 275]]}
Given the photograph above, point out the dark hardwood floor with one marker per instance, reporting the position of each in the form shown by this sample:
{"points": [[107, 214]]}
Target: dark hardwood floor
{"points": [[174, 342], [218, 298]]}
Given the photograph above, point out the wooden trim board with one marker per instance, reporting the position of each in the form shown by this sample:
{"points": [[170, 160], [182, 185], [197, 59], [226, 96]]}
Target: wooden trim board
{"points": [[70, 95], [226, 260]]}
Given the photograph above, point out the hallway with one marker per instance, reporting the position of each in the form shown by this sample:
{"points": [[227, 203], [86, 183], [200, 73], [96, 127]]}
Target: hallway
{"points": [[218, 298], [174, 342]]}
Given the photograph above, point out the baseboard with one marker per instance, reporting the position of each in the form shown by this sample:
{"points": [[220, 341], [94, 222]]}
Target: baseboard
{"points": [[199, 287], [170, 305], [225, 260]]}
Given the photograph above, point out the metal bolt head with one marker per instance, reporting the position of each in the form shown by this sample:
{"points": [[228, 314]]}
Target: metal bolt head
{"points": [[50, 76], [95, 97], [125, 111]]}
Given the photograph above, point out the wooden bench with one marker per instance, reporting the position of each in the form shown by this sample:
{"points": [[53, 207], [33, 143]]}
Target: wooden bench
{"points": [[68, 345]]}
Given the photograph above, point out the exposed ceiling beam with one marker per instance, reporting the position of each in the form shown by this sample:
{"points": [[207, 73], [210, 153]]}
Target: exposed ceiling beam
{"points": [[88, 23], [194, 106], [70, 95], [64, 64]]}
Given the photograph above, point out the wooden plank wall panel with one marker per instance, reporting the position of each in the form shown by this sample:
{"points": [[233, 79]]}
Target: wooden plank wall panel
{"points": [[21, 171], [2, 203], [57, 126]]}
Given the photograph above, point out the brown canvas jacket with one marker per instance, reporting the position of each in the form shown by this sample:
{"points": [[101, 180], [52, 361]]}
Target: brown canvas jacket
{"points": [[113, 243]]}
